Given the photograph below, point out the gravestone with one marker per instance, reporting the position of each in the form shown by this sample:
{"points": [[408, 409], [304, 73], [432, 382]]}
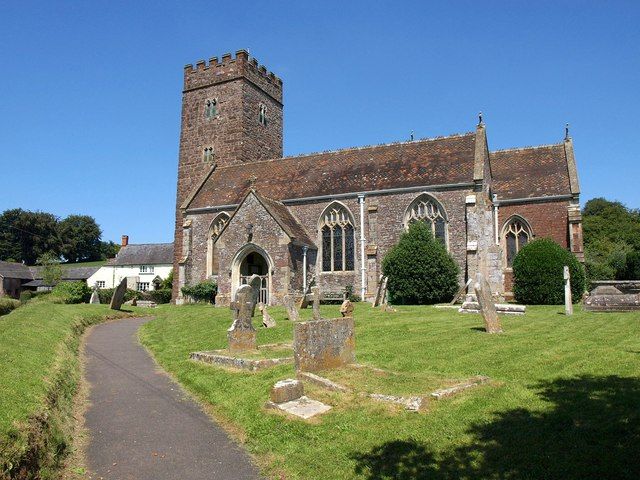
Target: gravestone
{"points": [[607, 298], [117, 298], [568, 303], [304, 301], [256, 283], [241, 335], [324, 344], [95, 298], [286, 390], [292, 311], [383, 294], [487, 306], [267, 320], [346, 309], [316, 302]]}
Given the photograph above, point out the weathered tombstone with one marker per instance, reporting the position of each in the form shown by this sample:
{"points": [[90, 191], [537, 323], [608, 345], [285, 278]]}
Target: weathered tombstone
{"points": [[346, 309], [323, 344], [383, 293], [118, 295], [267, 320], [568, 303], [607, 298], [377, 300], [256, 283], [95, 298], [304, 301], [292, 311], [241, 335], [487, 306], [316, 302]]}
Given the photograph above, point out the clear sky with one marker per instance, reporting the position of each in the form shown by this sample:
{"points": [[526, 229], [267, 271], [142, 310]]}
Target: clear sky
{"points": [[91, 91]]}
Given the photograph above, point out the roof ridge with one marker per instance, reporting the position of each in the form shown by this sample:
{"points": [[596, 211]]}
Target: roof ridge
{"points": [[528, 147], [146, 244], [350, 149]]}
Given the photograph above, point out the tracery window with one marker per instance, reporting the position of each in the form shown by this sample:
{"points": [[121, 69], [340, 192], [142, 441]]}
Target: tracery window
{"points": [[426, 209], [338, 240], [211, 108], [262, 116], [516, 234]]}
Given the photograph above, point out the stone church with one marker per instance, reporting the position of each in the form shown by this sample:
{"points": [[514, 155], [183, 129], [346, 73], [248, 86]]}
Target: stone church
{"points": [[242, 208]]}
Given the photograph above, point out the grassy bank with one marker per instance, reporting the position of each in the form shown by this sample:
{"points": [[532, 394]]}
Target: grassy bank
{"points": [[39, 374], [563, 402]]}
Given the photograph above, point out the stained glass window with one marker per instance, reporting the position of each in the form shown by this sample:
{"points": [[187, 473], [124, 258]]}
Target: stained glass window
{"points": [[516, 235], [338, 240], [428, 210]]}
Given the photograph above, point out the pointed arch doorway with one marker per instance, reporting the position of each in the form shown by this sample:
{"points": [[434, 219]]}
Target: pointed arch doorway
{"points": [[252, 260]]}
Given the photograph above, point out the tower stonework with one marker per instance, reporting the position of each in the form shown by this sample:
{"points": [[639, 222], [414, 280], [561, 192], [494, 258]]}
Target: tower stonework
{"points": [[231, 114]]}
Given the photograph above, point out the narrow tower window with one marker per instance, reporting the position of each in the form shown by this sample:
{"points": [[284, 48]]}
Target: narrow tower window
{"points": [[207, 154], [262, 117], [211, 108]]}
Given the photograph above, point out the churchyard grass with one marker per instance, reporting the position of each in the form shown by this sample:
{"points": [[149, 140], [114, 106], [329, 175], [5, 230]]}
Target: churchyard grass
{"points": [[40, 370], [562, 403]]}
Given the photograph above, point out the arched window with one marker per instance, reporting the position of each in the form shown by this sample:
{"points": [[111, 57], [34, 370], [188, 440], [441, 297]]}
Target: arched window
{"points": [[516, 233], [207, 154], [211, 108], [337, 239], [427, 209], [216, 227], [262, 116]]}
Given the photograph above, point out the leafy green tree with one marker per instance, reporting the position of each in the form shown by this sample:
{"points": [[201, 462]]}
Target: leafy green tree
{"points": [[81, 236], [419, 268], [108, 249], [632, 267], [28, 235], [51, 268]]}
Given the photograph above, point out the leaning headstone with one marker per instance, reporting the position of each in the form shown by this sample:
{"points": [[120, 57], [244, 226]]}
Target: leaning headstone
{"points": [[316, 302], [95, 298], [384, 300], [256, 283], [304, 301], [241, 335], [487, 307], [292, 311], [346, 309], [267, 320], [377, 300], [568, 303], [324, 344], [118, 295]]}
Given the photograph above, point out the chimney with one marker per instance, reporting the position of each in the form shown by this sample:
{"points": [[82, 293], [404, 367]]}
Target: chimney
{"points": [[125, 240]]}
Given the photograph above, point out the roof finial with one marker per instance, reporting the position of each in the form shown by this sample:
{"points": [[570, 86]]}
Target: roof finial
{"points": [[480, 122], [566, 132], [412, 135], [252, 181]]}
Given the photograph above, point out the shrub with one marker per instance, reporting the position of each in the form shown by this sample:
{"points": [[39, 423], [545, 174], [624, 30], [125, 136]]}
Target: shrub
{"points": [[201, 292], [632, 267], [538, 274], [162, 295], [420, 269], [71, 292], [26, 296], [351, 295], [7, 305]]}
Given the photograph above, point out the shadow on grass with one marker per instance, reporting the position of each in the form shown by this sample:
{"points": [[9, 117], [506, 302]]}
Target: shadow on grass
{"points": [[590, 431]]}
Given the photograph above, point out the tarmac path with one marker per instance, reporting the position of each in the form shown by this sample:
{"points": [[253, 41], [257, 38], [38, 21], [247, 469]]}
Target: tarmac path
{"points": [[142, 425]]}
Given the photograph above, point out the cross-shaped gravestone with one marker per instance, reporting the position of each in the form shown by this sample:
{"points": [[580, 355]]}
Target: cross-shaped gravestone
{"points": [[241, 335]]}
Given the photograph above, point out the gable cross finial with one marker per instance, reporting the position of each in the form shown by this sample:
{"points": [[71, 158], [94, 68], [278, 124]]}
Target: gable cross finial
{"points": [[252, 181], [566, 131]]}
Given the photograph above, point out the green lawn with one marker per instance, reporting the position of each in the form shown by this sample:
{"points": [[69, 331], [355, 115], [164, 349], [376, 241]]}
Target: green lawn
{"points": [[564, 402], [39, 374]]}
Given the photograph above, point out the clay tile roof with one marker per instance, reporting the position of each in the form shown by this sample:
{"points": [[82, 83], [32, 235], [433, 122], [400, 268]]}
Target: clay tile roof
{"points": [[530, 172], [15, 270], [286, 220], [438, 161], [145, 254]]}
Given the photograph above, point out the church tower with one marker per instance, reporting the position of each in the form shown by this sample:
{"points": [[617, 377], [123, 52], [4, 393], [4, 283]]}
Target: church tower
{"points": [[231, 114]]}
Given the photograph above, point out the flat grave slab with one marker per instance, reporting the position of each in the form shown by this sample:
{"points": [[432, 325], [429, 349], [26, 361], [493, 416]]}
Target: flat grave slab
{"points": [[302, 407]]}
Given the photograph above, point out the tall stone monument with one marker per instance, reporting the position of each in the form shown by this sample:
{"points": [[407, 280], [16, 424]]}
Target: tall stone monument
{"points": [[118, 295], [487, 305], [568, 303]]}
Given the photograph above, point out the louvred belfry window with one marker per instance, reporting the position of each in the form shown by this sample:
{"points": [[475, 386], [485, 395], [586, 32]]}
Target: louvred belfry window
{"points": [[426, 209], [516, 234], [338, 240]]}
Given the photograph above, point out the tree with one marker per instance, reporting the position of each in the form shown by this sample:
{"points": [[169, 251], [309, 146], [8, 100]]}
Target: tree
{"points": [[81, 236], [108, 250], [51, 268], [25, 235], [419, 268]]}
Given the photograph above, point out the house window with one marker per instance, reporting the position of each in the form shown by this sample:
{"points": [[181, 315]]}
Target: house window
{"points": [[146, 269], [207, 154], [101, 284], [337, 239], [262, 117], [142, 286], [211, 108], [516, 233], [428, 210]]}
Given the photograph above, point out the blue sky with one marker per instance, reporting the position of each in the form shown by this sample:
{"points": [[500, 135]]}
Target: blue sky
{"points": [[91, 91]]}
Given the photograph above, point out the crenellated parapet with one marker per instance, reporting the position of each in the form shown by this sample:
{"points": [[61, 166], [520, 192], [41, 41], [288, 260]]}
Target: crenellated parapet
{"points": [[229, 68]]}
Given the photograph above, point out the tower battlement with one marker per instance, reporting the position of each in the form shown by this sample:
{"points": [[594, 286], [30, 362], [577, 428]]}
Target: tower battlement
{"points": [[229, 68]]}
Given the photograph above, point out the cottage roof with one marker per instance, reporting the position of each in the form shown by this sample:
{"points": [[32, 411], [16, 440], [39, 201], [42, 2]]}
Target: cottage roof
{"points": [[530, 172], [145, 254], [15, 270], [437, 161], [68, 273]]}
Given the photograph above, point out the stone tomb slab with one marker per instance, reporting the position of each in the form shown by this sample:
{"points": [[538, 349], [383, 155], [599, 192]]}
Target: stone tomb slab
{"points": [[302, 407], [324, 344], [224, 358]]}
